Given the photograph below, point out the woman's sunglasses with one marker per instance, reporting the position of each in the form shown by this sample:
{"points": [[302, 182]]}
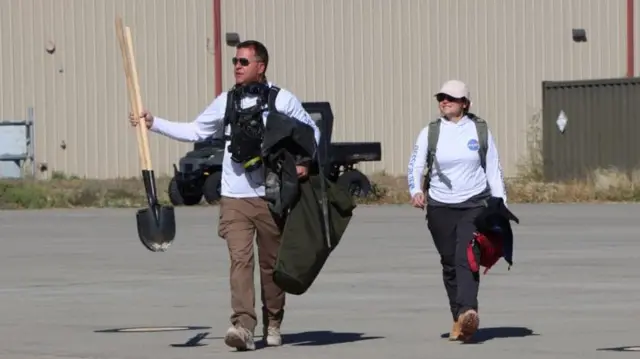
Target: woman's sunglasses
{"points": [[441, 97]]}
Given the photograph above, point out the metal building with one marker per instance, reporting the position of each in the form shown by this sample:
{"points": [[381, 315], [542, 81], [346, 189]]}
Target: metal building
{"points": [[377, 61], [598, 128]]}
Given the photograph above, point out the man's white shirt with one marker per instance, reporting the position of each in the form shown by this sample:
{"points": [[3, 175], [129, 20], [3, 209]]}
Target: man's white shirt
{"points": [[236, 182], [458, 159]]}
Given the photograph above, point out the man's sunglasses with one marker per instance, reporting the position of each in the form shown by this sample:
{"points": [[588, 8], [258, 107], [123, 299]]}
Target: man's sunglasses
{"points": [[441, 97], [242, 60]]}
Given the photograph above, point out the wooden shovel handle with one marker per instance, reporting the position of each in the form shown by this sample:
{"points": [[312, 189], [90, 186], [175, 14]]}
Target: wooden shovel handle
{"points": [[133, 87], [124, 51], [136, 89]]}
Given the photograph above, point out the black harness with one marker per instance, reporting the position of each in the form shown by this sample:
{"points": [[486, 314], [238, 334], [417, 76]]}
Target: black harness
{"points": [[246, 125]]}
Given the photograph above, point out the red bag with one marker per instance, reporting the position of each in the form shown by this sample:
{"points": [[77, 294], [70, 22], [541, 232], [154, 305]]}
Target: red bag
{"points": [[484, 251]]}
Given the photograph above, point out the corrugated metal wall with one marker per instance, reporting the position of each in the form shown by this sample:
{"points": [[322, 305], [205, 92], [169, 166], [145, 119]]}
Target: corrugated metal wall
{"points": [[377, 61], [602, 127], [79, 91]]}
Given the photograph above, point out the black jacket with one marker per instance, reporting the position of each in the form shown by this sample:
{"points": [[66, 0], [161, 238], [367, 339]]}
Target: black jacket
{"points": [[287, 143], [496, 219]]}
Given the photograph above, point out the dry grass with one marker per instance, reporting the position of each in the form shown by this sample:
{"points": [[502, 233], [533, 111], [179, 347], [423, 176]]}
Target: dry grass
{"points": [[60, 192], [604, 185]]}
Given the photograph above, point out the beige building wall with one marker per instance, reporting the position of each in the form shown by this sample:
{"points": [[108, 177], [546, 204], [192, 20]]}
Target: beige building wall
{"points": [[380, 61], [377, 61], [79, 92]]}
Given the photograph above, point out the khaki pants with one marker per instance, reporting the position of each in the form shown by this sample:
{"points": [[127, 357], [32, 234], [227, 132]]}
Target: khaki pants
{"points": [[240, 219]]}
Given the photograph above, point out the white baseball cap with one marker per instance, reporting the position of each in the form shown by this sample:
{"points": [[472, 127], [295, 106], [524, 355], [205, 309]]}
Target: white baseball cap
{"points": [[456, 89]]}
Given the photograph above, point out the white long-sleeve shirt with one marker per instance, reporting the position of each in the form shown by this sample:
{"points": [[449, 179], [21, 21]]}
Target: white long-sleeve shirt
{"points": [[236, 182], [458, 159]]}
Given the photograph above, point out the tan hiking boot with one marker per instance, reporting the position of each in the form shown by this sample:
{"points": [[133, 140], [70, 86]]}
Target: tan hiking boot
{"points": [[455, 331], [272, 336], [240, 338], [469, 322]]}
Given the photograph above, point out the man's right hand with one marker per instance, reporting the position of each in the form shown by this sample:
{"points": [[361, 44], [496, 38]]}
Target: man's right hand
{"points": [[146, 115], [418, 200]]}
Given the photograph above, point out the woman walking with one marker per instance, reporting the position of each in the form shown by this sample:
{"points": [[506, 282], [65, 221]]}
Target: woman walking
{"points": [[463, 172]]}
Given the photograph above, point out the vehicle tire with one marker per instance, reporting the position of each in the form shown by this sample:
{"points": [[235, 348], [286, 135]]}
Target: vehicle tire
{"points": [[211, 187], [178, 198], [355, 182]]}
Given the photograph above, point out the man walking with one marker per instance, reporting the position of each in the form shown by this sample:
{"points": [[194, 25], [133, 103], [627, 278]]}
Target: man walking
{"points": [[243, 209]]}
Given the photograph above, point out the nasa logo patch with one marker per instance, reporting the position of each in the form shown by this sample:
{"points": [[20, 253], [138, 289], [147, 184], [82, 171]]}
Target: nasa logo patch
{"points": [[473, 145]]}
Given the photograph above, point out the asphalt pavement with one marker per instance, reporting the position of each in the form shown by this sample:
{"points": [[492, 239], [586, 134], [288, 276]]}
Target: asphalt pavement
{"points": [[78, 284]]}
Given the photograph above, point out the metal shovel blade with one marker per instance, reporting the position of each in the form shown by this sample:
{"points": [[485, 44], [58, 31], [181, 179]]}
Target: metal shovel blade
{"points": [[156, 227]]}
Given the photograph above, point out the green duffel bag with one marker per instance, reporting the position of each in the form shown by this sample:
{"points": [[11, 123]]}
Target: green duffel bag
{"points": [[305, 246]]}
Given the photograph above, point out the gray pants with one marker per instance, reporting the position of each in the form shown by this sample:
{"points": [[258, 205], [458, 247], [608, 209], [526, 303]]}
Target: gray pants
{"points": [[452, 231]]}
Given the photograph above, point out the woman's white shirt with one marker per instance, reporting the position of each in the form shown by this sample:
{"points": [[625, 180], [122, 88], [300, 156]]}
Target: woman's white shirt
{"points": [[458, 159]]}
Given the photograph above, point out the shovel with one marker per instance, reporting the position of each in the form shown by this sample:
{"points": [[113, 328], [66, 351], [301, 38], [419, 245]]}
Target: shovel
{"points": [[156, 224]]}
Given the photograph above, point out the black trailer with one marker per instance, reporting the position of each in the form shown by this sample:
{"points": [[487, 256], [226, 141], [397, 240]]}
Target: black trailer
{"points": [[341, 157]]}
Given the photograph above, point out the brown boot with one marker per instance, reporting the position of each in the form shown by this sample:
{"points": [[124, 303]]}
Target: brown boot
{"points": [[455, 331], [469, 322]]}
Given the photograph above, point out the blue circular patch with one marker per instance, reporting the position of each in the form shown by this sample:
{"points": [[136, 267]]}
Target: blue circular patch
{"points": [[473, 145]]}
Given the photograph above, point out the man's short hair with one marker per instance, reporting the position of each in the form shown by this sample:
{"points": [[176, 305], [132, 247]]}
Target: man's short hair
{"points": [[261, 51]]}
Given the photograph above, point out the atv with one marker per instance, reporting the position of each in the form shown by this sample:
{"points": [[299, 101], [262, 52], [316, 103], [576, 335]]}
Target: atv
{"points": [[198, 174]]}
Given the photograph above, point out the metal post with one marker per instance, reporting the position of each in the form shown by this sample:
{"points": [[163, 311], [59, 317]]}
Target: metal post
{"points": [[32, 141]]}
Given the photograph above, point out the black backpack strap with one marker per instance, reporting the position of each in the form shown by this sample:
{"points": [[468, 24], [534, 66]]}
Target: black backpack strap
{"points": [[271, 101], [229, 109], [433, 134]]}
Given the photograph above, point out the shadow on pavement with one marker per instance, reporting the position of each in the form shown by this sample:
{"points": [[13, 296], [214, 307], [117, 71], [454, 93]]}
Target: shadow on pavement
{"points": [[310, 338], [620, 349], [486, 334], [151, 329], [324, 337]]}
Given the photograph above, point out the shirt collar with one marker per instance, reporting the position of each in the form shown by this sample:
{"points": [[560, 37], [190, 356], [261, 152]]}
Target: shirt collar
{"points": [[460, 123]]}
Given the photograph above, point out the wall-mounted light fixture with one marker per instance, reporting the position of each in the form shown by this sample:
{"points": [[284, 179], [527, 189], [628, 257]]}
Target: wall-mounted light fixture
{"points": [[579, 35], [232, 38]]}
